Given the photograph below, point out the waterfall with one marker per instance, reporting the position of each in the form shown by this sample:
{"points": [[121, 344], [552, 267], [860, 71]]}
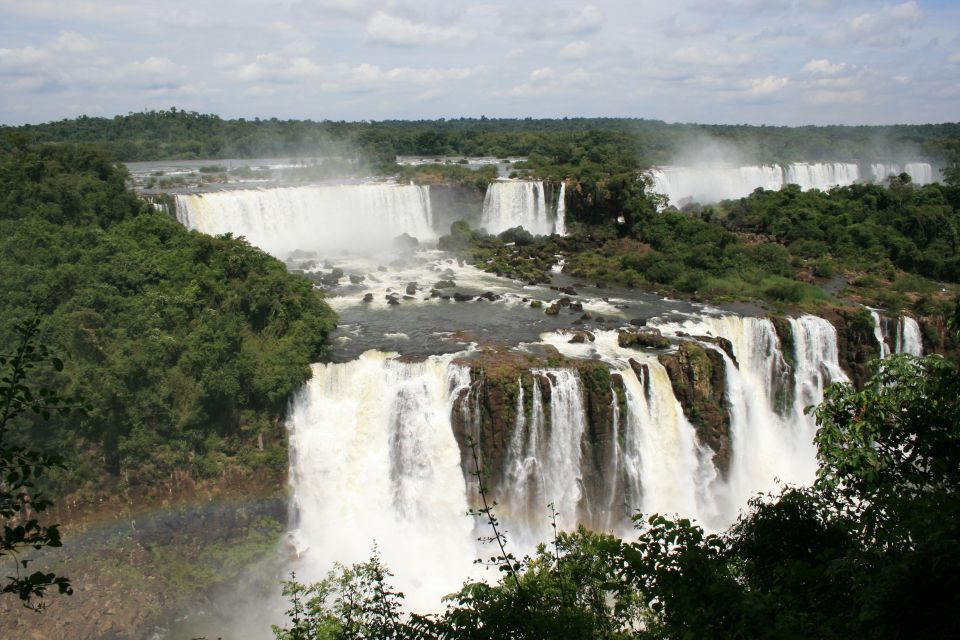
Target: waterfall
{"points": [[878, 333], [712, 184], [560, 224], [770, 446], [921, 173], [513, 203], [373, 458], [545, 456], [908, 337], [315, 218], [665, 470]]}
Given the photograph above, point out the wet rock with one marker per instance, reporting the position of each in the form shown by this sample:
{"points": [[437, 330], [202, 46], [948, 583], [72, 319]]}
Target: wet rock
{"points": [[489, 295], [563, 302], [587, 316], [445, 284], [461, 297], [411, 288], [570, 291], [600, 285], [723, 343], [638, 322], [368, 297], [355, 279], [581, 337], [698, 378], [393, 302], [601, 320], [576, 306], [406, 243], [536, 304], [553, 309], [638, 339]]}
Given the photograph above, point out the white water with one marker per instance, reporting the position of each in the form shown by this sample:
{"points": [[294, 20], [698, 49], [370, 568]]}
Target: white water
{"points": [[373, 455], [878, 334], [560, 224], [544, 459], [908, 337], [315, 218], [712, 184], [513, 203], [373, 458]]}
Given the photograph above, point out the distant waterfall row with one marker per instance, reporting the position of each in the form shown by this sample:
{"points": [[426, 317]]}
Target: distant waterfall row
{"points": [[316, 218], [361, 217], [374, 456], [712, 184]]}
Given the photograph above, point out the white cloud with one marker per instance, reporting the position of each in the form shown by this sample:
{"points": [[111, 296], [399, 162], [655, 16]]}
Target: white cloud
{"points": [[384, 28], [542, 74], [953, 57], [765, 86], [884, 28], [540, 24], [70, 42], [576, 50], [703, 56], [23, 60], [822, 66], [835, 97]]}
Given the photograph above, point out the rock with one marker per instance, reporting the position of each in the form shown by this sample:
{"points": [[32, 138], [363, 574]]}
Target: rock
{"points": [[698, 378], [553, 309], [577, 322], [368, 297], [445, 284], [638, 322], [581, 337], [461, 297], [411, 288], [600, 285], [637, 339], [576, 306], [536, 304], [563, 302], [587, 316], [355, 279], [601, 320], [570, 291], [406, 243], [489, 295], [723, 343], [435, 293], [392, 301]]}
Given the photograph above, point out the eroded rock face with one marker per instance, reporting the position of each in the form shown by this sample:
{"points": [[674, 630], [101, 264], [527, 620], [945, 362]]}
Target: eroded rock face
{"points": [[487, 414], [649, 338], [856, 343], [698, 379]]}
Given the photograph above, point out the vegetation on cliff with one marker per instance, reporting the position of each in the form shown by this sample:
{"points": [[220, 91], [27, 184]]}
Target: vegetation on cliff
{"points": [[186, 347]]}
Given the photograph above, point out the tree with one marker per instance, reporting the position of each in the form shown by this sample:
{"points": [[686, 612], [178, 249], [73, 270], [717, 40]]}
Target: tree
{"points": [[21, 469]]}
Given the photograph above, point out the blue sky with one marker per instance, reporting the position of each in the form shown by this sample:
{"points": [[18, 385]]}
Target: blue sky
{"points": [[719, 61]]}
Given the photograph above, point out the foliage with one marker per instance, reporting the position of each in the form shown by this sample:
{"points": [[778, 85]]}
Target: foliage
{"points": [[21, 468], [187, 347]]}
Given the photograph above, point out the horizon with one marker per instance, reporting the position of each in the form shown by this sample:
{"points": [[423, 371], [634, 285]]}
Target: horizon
{"points": [[726, 62]]}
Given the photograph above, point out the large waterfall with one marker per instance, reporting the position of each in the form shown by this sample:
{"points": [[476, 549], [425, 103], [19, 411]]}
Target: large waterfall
{"points": [[712, 184], [512, 203], [375, 458], [314, 218]]}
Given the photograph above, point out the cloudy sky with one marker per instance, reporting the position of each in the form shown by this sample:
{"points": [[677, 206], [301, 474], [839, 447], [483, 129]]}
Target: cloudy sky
{"points": [[720, 61]]}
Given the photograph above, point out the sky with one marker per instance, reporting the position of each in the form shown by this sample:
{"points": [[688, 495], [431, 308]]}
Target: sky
{"points": [[777, 62]]}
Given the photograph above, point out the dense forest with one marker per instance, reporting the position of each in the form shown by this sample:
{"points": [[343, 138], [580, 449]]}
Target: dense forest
{"points": [[185, 347], [178, 134]]}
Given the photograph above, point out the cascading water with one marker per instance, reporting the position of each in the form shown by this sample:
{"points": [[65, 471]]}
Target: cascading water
{"points": [[545, 456], [513, 203], [712, 184], [374, 459], [879, 334], [772, 439], [560, 224], [315, 218], [908, 339]]}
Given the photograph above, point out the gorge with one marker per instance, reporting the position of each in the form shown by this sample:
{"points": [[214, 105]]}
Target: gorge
{"points": [[621, 402]]}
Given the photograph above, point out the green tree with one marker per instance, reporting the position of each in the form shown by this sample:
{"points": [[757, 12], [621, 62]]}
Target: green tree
{"points": [[21, 469]]}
